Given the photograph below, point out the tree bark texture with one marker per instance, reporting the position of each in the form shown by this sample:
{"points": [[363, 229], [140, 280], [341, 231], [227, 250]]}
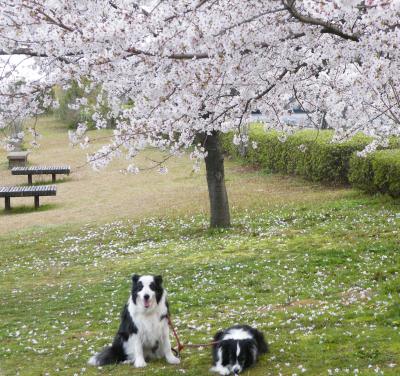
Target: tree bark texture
{"points": [[219, 205]]}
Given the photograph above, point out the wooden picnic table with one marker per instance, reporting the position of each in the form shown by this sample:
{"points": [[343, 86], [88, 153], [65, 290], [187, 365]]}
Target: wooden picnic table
{"points": [[41, 170], [26, 191]]}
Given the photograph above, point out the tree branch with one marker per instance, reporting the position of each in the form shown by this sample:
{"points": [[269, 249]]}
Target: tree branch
{"points": [[327, 27], [31, 53]]}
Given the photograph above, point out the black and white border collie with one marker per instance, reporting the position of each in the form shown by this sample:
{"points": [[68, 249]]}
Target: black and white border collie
{"points": [[143, 333], [237, 348]]}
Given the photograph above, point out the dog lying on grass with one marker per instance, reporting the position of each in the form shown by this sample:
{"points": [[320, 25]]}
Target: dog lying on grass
{"points": [[236, 349], [143, 332]]}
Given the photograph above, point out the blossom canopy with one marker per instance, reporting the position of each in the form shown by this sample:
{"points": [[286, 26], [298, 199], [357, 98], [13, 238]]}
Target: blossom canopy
{"points": [[198, 66]]}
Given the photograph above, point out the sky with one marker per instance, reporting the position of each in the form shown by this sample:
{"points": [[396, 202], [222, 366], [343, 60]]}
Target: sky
{"points": [[23, 68]]}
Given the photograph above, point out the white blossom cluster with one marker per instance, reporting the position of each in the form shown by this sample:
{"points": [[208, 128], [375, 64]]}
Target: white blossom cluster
{"points": [[190, 66]]}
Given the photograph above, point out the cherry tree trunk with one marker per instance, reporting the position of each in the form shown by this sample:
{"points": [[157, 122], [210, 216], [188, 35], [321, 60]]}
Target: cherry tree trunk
{"points": [[219, 206]]}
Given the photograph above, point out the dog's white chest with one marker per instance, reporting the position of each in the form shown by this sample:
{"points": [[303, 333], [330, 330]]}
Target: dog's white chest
{"points": [[150, 329]]}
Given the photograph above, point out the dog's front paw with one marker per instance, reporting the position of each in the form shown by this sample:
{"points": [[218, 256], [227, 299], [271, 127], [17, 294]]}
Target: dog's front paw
{"points": [[140, 363], [171, 359], [93, 361], [221, 370]]}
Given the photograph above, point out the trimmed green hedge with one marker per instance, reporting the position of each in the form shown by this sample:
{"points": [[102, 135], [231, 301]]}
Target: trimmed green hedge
{"points": [[378, 172], [311, 154], [306, 153]]}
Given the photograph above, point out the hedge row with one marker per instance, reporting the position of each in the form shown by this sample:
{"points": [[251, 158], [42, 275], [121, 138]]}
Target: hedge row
{"points": [[378, 172], [307, 153], [311, 154]]}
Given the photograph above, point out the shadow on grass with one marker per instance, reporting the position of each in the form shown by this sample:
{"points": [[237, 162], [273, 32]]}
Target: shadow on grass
{"points": [[46, 182], [23, 209]]}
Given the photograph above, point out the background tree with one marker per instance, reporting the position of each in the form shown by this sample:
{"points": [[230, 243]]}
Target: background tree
{"points": [[200, 67], [11, 126], [72, 114]]}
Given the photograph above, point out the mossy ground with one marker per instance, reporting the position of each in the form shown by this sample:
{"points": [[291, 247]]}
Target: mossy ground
{"points": [[315, 268], [321, 281]]}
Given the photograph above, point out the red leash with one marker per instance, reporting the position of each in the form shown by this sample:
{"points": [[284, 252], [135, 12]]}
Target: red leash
{"points": [[180, 345]]}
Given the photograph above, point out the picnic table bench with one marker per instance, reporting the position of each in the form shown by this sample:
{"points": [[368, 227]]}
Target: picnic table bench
{"points": [[41, 170], [25, 191]]}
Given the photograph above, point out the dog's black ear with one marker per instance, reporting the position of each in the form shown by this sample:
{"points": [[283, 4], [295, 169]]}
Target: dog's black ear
{"points": [[218, 335], [262, 345], [135, 278], [158, 280]]}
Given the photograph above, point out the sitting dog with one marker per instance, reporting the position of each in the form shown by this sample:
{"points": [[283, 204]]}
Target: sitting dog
{"points": [[143, 332], [236, 349]]}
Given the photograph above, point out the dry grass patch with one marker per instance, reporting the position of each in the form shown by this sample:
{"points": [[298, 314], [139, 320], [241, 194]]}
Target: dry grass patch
{"points": [[88, 196]]}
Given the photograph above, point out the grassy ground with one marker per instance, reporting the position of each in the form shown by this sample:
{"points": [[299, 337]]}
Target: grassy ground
{"points": [[316, 269], [89, 196]]}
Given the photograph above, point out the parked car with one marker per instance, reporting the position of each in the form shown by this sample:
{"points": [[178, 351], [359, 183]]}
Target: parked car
{"points": [[296, 116]]}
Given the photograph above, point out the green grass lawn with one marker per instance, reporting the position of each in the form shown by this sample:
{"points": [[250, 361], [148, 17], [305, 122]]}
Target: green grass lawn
{"points": [[320, 280]]}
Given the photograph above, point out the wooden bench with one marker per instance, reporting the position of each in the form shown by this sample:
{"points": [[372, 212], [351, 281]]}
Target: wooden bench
{"points": [[17, 158], [41, 170], [35, 191]]}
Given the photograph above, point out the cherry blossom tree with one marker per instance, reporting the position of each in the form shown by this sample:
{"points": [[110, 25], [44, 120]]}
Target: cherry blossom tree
{"points": [[196, 68]]}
